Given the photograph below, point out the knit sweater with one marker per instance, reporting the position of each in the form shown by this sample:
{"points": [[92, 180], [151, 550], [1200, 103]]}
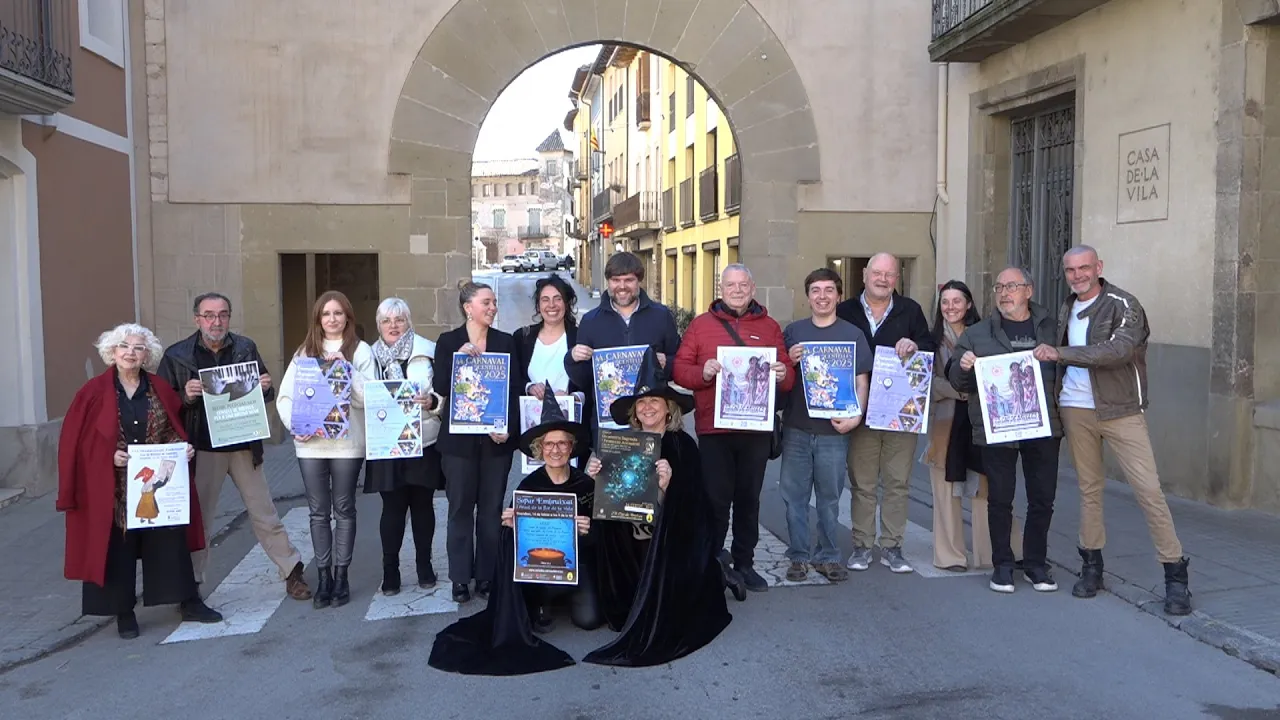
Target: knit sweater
{"points": [[352, 446]]}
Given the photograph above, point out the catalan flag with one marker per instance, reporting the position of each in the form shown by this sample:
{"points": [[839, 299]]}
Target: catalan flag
{"points": [[595, 141]]}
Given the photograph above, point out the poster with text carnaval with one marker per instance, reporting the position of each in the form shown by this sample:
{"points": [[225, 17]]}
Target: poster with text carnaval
{"points": [[478, 394], [614, 371], [828, 379]]}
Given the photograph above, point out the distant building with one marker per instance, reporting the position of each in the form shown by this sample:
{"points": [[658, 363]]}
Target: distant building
{"points": [[518, 205]]}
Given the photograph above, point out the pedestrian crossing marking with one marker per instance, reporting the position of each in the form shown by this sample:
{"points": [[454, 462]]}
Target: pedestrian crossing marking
{"points": [[413, 600]]}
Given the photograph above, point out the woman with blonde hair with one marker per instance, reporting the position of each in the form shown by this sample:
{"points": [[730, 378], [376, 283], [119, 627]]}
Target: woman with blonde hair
{"points": [[331, 465]]}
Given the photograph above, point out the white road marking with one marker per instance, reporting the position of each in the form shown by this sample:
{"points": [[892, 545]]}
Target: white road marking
{"points": [[251, 594], [413, 600], [772, 563]]}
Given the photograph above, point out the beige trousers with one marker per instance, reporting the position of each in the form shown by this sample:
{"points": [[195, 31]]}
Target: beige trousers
{"points": [[212, 469], [948, 526], [880, 459], [1131, 443]]}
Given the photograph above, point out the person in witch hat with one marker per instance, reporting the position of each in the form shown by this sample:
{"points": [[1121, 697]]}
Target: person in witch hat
{"points": [[499, 640]]}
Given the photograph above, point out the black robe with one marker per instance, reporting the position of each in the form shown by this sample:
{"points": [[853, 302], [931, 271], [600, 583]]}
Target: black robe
{"points": [[679, 603]]}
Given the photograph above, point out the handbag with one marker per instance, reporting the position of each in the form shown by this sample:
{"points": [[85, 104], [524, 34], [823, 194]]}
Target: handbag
{"points": [[775, 438]]}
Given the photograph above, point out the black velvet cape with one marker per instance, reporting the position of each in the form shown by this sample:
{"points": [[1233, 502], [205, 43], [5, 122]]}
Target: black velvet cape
{"points": [[679, 603]]}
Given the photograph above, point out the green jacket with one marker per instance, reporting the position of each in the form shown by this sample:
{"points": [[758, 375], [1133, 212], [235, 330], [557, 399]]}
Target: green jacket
{"points": [[1116, 353]]}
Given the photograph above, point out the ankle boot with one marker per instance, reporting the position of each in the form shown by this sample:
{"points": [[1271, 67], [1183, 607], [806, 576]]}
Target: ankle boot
{"points": [[127, 625], [731, 578], [1177, 597], [324, 589], [426, 575], [341, 588], [390, 575], [1090, 574]]}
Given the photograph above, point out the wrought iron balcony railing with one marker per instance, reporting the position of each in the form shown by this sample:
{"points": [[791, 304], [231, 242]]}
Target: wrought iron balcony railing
{"points": [[36, 42], [709, 194], [972, 30], [638, 213]]}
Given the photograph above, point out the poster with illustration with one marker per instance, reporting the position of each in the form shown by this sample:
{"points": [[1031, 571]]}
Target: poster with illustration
{"points": [[478, 396], [745, 389], [531, 415], [392, 420], [1011, 390], [234, 405], [627, 486], [899, 399], [321, 398], [828, 379], [546, 530], [615, 371], [157, 486]]}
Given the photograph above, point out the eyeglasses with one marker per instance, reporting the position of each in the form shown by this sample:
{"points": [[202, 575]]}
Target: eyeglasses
{"points": [[126, 347], [557, 445], [395, 321], [999, 288], [210, 317], [883, 275]]}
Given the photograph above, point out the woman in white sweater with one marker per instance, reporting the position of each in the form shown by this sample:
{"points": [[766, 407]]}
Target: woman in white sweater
{"points": [[407, 485], [330, 465]]}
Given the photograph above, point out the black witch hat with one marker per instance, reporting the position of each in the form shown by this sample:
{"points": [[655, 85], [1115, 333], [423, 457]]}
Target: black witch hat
{"points": [[553, 419], [650, 382]]}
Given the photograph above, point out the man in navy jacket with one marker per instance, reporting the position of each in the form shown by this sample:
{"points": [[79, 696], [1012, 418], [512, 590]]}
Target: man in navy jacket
{"points": [[625, 316]]}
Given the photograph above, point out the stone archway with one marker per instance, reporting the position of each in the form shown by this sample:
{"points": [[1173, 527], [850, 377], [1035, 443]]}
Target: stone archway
{"points": [[480, 46]]}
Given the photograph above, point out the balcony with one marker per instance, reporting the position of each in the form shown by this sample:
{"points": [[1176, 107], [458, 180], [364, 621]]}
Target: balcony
{"points": [[686, 203], [732, 184], [709, 194], [582, 168], [36, 41], [669, 209], [973, 30], [637, 215], [642, 110], [532, 232], [603, 203]]}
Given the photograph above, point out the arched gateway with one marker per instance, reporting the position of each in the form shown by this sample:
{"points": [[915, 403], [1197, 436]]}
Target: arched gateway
{"points": [[480, 46]]}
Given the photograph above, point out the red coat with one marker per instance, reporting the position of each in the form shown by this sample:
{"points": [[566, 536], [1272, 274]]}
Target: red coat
{"points": [[86, 474], [698, 345]]}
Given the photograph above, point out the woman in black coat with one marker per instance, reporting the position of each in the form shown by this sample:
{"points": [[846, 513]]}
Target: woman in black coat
{"points": [[475, 466], [544, 345]]}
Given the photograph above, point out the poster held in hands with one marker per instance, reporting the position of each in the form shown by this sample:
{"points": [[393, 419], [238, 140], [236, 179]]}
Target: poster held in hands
{"points": [[157, 486], [478, 394], [321, 398], [1011, 390], [546, 537], [829, 379], [745, 389], [900, 394], [531, 415], [392, 420], [615, 371], [234, 405], [627, 486]]}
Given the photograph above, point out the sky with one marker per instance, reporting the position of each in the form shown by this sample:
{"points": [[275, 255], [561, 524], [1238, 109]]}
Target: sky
{"points": [[533, 105]]}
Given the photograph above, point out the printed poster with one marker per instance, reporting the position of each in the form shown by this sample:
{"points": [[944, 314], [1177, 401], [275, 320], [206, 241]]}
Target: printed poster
{"points": [[392, 420], [829, 380], [745, 390], [627, 486], [546, 531], [1011, 391], [615, 371], [899, 399], [321, 398], [234, 406], [478, 398], [157, 486], [531, 415]]}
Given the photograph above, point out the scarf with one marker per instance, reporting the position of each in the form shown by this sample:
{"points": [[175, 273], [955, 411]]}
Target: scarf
{"points": [[389, 357]]}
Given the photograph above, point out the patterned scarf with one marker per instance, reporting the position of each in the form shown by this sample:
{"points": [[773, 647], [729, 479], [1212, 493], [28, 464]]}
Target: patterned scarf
{"points": [[389, 357]]}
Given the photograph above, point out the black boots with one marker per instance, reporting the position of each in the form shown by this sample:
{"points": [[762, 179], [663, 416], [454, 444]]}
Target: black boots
{"points": [[341, 588], [732, 578], [324, 589], [1090, 574], [426, 575], [127, 625], [1177, 598], [194, 610], [461, 593], [390, 575]]}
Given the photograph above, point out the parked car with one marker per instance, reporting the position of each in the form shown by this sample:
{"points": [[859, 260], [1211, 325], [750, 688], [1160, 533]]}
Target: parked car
{"points": [[512, 264], [543, 260]]}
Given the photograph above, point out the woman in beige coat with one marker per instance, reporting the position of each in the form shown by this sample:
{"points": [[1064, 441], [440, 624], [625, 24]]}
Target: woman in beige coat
{"points": [[954, 461]]}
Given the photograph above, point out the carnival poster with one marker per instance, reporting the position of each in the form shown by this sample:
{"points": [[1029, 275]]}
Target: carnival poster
{"points": [[546, 534], [614, 371], [1011, 390], [745, 390], [829, 380], [392, 420], [531, 415], [157, 486], [627, 486], [899, 398], [234, 405], [321, 398], [479, 393]]}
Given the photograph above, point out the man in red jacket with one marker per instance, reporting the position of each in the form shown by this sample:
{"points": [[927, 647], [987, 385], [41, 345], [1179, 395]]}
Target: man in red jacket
{"points": [[733, 461]]}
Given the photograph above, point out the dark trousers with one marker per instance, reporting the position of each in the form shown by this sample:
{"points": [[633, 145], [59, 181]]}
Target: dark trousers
{"points": [[415, 502], [330, 484], [583, 599], [733, 466], [167, 577], [474, 486], [1040, 470]]}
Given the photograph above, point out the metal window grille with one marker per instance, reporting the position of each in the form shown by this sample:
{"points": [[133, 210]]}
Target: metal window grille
{"points": [[1042, 199]]}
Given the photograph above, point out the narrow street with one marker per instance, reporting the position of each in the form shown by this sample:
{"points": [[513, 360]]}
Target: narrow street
{"points": [[924, 645]]}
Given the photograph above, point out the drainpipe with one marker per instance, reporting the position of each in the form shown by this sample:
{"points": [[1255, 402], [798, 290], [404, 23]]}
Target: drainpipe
{"points": [[943, 91]]}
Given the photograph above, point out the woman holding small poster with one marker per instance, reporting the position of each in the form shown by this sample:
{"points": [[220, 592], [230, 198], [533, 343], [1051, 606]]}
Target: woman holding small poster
{"points": [[121, 407]]}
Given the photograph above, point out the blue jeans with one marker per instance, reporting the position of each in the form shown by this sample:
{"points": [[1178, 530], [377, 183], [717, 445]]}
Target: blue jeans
{"points": [[812, 465]]}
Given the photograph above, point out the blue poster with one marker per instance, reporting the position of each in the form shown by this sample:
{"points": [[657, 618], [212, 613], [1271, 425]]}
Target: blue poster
{"points": [[478, 396], [321, 398], [900, 392], [546, 531], [614, 371], [827, 376]]}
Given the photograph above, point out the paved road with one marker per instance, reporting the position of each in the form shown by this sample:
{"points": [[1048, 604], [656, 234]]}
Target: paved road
{"points": [[878, 646]]}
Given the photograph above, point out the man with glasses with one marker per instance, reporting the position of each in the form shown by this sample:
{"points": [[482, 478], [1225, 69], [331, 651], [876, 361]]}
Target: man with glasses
{"points": [[881, 458], [214, 345], [1019, 325]]}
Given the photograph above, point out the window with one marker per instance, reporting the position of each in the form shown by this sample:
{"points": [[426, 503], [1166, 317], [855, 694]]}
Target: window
{"points": [[688, 95], [500, 218], [102, 29], [475, 191], [522, 192], [475, 217], [535, 220], [1041, 207], [488, 190], [671, 112], [511, 189], [552, 168]]}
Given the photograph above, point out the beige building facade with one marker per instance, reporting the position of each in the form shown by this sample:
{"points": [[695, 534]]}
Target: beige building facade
{"points": [[1151, 131]]}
